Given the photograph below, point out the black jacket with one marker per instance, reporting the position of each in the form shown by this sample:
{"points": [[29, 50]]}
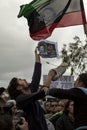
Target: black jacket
{"points": [[65, 123], [80, 103]]}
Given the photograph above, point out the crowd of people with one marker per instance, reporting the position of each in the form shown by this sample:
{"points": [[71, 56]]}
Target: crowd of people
{"points": [[65, 110]]}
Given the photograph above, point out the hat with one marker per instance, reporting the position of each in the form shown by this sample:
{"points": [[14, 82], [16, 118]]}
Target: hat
{"points": [[2, 89]]}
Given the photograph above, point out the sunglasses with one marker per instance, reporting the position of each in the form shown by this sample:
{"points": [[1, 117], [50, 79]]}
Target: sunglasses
{"points": [[54, 105]]}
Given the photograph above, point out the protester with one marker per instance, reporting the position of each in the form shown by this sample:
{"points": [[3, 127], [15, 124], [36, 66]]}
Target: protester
{"points": [[79, 95], [58, 111], [54, 104], [47, 105], [26, 96], [66, 121]]}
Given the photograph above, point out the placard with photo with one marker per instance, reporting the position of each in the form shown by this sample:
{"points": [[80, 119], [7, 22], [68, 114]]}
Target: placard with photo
{"points": [[48, 49]]}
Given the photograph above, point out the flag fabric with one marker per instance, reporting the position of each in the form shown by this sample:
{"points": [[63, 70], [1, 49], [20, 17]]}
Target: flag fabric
{"points": [[44, 16]]}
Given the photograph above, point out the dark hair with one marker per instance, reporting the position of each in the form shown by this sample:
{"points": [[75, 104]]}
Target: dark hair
{"points": [[13, 92], [66, 111], [2, 89], [6, 122], [83, 78]]}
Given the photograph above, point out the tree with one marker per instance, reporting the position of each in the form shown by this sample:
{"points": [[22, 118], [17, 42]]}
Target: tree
{"points": [[75, 55]]}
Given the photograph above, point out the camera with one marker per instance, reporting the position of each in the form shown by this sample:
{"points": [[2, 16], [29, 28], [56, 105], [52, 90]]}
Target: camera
{"points": [[6, 110], [17, 118]]}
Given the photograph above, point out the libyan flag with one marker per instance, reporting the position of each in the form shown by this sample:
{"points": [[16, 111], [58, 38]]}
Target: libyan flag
{"points": [[44, 16]]}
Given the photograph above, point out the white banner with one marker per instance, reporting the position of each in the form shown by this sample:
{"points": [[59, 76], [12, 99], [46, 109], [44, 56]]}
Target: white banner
{"points": [[64, 82]]}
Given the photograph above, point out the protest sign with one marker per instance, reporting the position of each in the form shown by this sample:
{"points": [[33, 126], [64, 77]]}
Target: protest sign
{"points": [[48, 49], [64, 82]]}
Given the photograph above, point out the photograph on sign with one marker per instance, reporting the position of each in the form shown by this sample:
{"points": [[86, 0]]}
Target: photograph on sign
{"points": [[48, 49]]}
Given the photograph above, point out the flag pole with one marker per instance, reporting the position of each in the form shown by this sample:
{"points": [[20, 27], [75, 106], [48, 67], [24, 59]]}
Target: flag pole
{"points": [[85, 29], [85, 25]]}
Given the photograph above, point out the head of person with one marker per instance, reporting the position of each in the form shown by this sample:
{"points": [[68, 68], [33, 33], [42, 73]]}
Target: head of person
{"points": [[69, 107], [61, 104], [16, 87], [54, 104], [47, 105], [12, 104], [81, 81]]}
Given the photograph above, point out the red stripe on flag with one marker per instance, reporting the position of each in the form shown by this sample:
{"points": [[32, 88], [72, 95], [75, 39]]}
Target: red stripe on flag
{"points": [[69, 19]]}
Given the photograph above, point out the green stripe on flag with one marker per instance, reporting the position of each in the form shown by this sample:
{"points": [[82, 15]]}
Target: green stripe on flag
{"points": [[27, 9]]}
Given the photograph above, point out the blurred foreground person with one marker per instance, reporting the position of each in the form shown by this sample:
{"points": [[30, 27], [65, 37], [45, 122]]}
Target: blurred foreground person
{"points": [[6, 123]]}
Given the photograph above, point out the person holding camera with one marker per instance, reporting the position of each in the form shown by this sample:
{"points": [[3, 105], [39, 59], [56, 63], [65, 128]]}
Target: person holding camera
{"points": [[24, 125], [6, 123]]}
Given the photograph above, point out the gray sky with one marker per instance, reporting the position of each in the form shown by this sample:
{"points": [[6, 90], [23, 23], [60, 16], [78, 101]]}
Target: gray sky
{"points": [[17, 48]]}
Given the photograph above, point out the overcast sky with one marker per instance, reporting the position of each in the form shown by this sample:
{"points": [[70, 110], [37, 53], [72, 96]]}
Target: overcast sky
{"points": [[17, 48]]}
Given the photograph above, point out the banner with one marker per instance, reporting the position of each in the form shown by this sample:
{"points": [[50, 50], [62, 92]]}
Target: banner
{"points": [[64, 82]]}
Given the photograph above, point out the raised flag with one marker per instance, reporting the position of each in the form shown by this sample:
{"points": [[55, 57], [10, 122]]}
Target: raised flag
{"points": [[44, 16]]}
